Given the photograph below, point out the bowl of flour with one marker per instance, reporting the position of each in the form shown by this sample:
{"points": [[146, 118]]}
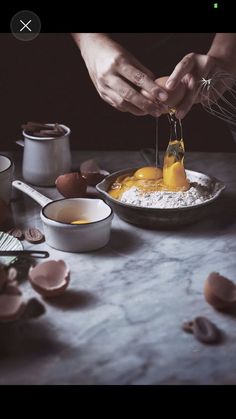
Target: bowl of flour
{"points": [[164, 209]]}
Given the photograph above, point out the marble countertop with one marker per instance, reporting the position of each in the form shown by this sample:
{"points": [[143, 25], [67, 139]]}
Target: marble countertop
{"points": [[120, 320]]}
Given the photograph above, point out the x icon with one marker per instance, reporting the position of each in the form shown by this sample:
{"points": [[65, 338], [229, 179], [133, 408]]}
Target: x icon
{"points": [[25, 25]]}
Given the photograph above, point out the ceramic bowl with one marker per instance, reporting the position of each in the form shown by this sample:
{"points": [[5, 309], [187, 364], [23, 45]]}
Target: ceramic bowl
{"points": [[155, 218], [60, 234]]}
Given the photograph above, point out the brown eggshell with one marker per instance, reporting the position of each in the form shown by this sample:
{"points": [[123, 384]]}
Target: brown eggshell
{"points": [[4, 210], [3, 278], [219, 291], [51, 278], [205, 331], [34, 309], [174, 96], [11, 289], [71, 185], [11, 307], [92, 173]]}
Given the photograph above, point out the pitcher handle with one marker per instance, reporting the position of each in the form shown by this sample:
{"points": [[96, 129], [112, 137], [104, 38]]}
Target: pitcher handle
{"points": [[20, 142]]}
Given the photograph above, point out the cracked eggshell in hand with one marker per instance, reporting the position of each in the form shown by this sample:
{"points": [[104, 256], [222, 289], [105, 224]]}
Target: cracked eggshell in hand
{"points": [[50, 278], [174, 96]]}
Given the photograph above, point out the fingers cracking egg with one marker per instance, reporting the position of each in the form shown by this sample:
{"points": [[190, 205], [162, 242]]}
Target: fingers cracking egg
{"points": [[174, 96]]}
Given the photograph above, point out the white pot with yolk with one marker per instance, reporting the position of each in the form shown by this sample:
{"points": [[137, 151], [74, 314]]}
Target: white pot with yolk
{"points": [[72, 224]]}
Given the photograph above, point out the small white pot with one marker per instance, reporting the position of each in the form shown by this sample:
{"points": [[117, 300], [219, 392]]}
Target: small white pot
{"points": [[67, 237]]}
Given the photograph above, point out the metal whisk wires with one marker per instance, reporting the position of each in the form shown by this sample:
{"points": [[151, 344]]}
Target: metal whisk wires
{"points": [[218, 96]]}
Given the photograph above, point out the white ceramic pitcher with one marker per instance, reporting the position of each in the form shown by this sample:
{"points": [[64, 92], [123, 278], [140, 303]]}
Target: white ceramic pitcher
{"points": [[45, 158]]}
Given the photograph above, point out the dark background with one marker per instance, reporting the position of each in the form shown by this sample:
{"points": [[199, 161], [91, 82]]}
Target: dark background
{"points": [[46, 80]]}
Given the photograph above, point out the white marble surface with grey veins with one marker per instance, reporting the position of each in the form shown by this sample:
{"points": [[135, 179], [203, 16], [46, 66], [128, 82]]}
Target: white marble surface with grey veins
{"points": [[120, 320]]}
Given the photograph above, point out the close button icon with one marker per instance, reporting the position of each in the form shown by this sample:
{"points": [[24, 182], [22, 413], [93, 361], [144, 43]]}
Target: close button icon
{"points": [[25, 25]]}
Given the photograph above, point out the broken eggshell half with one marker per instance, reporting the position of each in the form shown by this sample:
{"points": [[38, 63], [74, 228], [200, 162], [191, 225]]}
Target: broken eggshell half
{"points": [[12, 304], [220, 292], [11, 307], [92, 173], [50, 278], [71, 185]]}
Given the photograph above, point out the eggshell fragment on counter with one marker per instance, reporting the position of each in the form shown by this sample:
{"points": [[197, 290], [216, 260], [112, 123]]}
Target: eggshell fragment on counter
{"points": [[71, 185], [50, 278], [220, 291], [92, 172], [11, 307]]}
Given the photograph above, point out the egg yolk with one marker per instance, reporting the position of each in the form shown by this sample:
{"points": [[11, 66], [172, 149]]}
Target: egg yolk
{"points": [[115, 193], [150, 179], [174, 176], [80, 222], [148, 173]]}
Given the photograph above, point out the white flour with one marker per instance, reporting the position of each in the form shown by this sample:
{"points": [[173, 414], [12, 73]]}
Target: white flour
{"points": [[163, 199]]}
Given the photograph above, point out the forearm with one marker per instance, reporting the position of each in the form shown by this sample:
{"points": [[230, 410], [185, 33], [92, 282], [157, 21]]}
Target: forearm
{"points": [[81, 38], [224, 49]]}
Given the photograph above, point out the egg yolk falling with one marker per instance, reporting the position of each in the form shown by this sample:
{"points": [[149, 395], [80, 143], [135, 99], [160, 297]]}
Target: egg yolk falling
{"points": [[152, 179], [174, 176]]}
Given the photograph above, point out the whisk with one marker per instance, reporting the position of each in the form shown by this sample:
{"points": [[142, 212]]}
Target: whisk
{"points": [[218, 96]]}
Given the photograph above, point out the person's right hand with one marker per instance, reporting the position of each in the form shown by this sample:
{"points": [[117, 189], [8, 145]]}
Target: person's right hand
{"points": [[119, 77]]}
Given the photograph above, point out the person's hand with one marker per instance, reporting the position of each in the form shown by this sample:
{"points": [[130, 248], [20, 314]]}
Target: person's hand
{"points": [[190, 71], [119, 77]]}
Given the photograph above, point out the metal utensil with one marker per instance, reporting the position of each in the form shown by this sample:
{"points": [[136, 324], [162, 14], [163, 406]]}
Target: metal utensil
{"points": [[32, 253]]}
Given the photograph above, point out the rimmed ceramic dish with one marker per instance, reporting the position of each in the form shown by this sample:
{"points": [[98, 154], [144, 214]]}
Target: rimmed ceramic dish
{"points": [[155, 218]]}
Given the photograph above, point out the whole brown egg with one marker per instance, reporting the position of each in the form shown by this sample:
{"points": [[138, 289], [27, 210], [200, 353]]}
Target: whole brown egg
{"points": [[71, 185], [174, 96]]}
